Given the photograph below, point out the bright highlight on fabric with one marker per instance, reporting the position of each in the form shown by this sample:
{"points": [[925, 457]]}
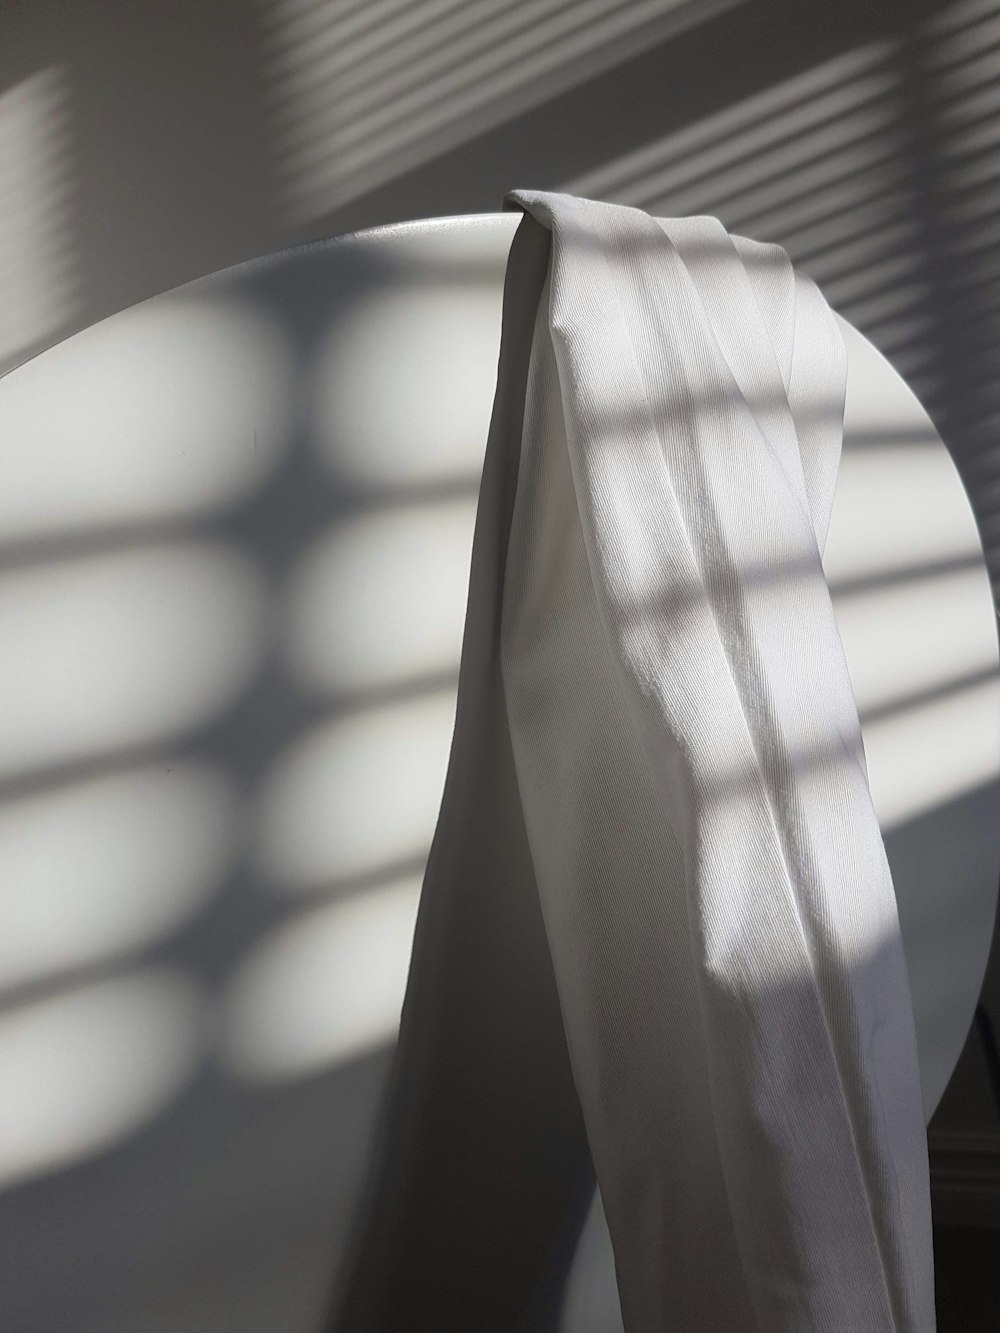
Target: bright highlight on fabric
{"points": [[658, 898]]}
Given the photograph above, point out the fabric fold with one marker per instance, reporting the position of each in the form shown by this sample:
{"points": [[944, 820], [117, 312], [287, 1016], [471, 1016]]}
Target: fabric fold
{"points": [[658, 931]]}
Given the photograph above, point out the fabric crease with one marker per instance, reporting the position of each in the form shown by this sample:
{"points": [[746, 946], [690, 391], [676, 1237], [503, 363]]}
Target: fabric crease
{"points": [[658, 927]]}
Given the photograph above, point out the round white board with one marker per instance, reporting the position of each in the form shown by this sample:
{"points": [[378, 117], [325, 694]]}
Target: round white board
{"points": [[277, 462]]}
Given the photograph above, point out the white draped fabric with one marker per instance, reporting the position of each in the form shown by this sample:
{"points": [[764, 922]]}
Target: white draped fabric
{"points": [[658, 931]]}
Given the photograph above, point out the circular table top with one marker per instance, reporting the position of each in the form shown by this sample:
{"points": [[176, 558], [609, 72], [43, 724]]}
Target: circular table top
{"points": [[310, 427]]}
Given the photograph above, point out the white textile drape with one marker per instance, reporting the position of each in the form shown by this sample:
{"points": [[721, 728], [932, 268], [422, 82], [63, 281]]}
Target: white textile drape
{"points": [[658, 931]]}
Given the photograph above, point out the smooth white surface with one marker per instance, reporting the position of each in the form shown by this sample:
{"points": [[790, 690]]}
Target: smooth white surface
{"points": [[194, 406], [104, 865], [83, 1070]]}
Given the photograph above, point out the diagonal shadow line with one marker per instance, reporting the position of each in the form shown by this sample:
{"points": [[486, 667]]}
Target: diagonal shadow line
{"points": [[334, 95], [758, 208], [653, 189], [849, 217], [850, 222], [627, 182], [431, 187], [313, 46], [360, 144]]}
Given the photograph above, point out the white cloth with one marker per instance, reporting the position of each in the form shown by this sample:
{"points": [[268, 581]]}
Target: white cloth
{"points": [[657, 842]]}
